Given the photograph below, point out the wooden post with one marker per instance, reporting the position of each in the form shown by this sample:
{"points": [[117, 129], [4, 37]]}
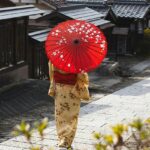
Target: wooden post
{"points": [[37, 1], [26, 38], [116, 47], [14, 42]]}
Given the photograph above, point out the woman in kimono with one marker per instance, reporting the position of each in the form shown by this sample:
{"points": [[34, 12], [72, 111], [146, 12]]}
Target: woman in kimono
{"points": [[68, 90]]}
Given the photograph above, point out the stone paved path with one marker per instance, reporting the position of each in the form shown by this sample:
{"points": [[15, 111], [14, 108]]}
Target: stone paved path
{"points": [[23, 97], [121, 106]]}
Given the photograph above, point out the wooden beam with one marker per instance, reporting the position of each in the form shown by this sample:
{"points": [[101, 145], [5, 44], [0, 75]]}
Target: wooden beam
{"points": [[14, 41], [26, 37]]}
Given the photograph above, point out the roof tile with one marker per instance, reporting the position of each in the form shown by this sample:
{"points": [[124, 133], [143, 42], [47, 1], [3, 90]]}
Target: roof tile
{"points": [[19, 11], [137, 11]]}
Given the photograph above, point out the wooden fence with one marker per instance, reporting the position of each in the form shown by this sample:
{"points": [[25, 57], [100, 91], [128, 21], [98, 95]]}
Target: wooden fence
{"points": [[13, 43], [38, 62]]}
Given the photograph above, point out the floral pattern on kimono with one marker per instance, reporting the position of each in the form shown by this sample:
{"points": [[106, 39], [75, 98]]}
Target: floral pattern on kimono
{"points": [[67, 105]]}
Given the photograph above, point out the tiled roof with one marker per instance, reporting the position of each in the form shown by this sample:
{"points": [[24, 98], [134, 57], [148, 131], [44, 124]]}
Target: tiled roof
{"points": [[107, 1], [40, 36], [102, 10], [19, 11], [79, 12], [86, 1], [131, 1], [94, 4], [24, 1], [85, 13], [130, 10]]}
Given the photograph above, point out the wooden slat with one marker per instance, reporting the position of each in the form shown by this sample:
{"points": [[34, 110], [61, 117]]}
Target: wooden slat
{"points": [[41, 37], [23, 14], [108, 25], [39, 32], [86, 1], [83, 14], [16, 8], [13, 43], [21, 11], [5, 13], [100, 22], [90, 17], [78, 11], [71, 7]]}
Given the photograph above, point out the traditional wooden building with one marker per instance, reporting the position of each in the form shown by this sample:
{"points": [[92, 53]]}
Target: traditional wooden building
{"points": [[132, 16], [65, 12], [33, 25], [80, 12], [14, 42], [102, 6], [38, 62], [121, 38]]}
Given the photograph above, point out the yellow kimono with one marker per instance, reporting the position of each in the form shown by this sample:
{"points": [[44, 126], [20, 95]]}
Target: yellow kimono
{"points": [[67, 105]]}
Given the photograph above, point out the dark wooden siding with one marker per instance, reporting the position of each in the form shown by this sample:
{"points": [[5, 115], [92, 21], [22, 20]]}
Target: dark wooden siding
{"points": [[13, 43], [6, 44], [38, 62], [21, 41]]}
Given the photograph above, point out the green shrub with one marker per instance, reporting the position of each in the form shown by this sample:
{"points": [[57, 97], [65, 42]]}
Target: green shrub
{"points": [[138, 130], [139, 138], [26, 130]]}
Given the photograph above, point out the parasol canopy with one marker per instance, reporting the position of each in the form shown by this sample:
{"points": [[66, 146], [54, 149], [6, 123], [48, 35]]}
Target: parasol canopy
{"points": [[76, 46]]}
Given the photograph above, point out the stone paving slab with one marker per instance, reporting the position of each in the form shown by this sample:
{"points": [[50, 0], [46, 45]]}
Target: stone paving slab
{"points": [[140, 66], [23, 97], [122, 106]]}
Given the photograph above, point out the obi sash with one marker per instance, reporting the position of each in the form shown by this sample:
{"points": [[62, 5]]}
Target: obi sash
{"points": [[65, 78]]}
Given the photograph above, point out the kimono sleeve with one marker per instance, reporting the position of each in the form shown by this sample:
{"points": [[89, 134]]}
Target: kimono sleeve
{"points": [[81, 90], [51, 91]]}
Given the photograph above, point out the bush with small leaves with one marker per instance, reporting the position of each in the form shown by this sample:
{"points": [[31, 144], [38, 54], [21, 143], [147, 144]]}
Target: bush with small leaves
{"points": [[27, 131], [138, 131], [139, 138]]}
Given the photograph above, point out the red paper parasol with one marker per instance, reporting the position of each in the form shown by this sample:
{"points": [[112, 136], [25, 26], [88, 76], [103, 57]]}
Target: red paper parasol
{"points": [[76, 46]]}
